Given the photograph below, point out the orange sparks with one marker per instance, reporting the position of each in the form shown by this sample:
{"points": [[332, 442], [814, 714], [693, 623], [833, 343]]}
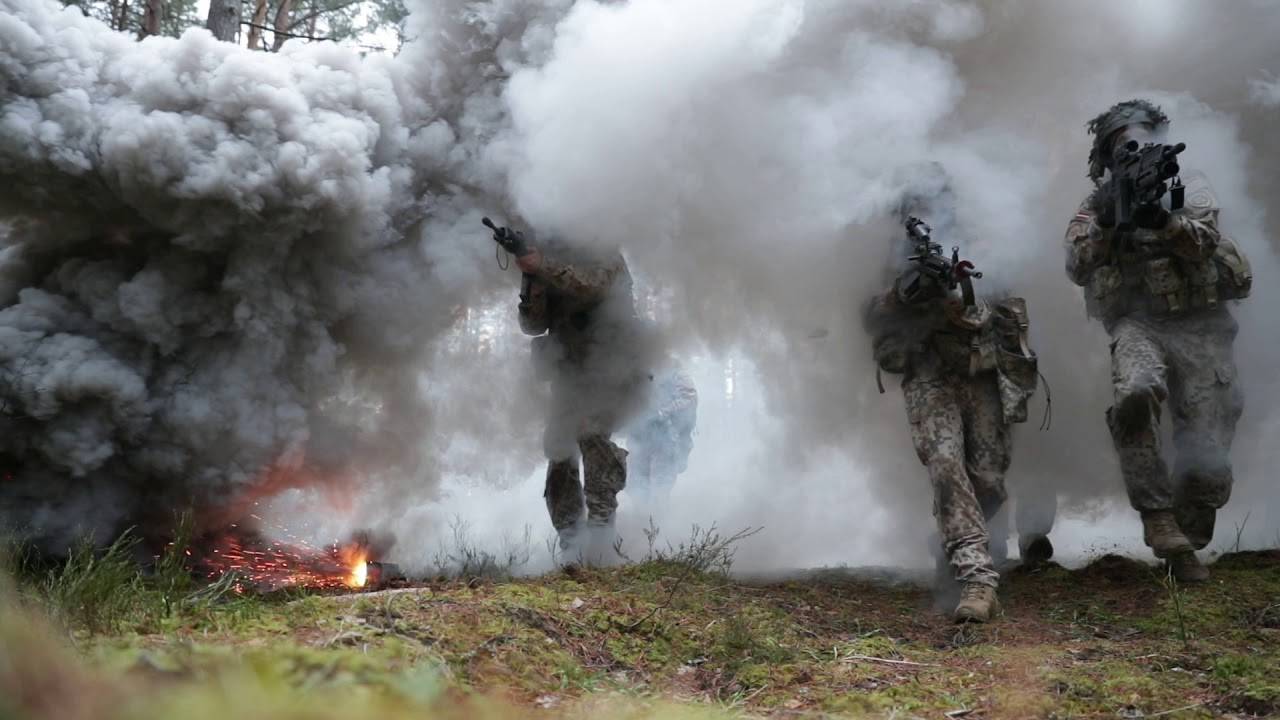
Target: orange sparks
{"points": [[269, 565]]}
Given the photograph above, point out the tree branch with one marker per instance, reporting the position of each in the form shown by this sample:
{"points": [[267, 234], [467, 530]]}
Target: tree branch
{"points": [[317, 13], [286, 34]]}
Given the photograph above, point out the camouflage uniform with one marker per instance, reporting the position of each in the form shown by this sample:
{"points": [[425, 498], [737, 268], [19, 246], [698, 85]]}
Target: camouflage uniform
{"points": [[579, 304], [967, 375], [1161, 295], [662, 437]]}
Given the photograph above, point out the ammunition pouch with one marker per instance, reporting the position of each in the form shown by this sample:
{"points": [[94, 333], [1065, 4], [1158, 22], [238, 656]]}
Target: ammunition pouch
{"points": [[1104, 296], [1202, 284], [1017, 367], [1016, 379], [890, 353], [1234, 275], [1166, 286]]}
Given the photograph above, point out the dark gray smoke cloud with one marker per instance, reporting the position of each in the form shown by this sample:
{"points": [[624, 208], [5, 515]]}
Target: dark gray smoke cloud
{"points": [[222, 270]]}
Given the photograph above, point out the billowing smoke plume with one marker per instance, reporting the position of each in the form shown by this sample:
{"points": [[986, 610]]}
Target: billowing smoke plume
{"points": [[750, 154], [224, 269]]}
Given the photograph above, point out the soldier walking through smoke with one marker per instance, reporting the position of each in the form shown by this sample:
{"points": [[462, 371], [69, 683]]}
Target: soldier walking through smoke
{"points": [[1158, 273], [577, 303], [967, 375], [661, 437]]}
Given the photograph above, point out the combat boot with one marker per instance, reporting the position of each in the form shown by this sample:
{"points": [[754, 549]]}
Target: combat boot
{"points": [[1035, 549], [1161, 533], [978, 603], [1187, 568]]}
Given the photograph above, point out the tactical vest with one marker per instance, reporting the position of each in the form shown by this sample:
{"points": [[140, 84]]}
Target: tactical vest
{"points": [[1144, 277], [996, 341]]}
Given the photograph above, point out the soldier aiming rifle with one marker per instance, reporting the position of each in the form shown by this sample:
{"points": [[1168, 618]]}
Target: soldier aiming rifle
{"points": [[967, 374], [1159, 276]]}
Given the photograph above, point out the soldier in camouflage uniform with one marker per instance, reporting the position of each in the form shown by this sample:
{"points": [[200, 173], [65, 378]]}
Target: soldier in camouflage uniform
{"points": [[967, 375], [577, 302], [661, 438], [1161, 290]]}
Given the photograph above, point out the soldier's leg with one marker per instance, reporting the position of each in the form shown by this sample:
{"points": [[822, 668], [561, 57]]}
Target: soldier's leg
{"points": [[998, 536], [665, 469], [1035, 513], [988, 443], [937, 430], [1207, 403], [563, 495], [604, 466], [563, 491], [1139, 376], [1034, 516]]}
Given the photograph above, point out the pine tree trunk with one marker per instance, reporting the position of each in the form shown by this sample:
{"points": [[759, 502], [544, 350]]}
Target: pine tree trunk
{"points": [[259, 21], [283, 14], [151, 18], [224, 19]]}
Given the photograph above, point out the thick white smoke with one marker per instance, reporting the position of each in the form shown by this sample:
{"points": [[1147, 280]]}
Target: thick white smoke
{"points": [[232, 247], [748, 154]]}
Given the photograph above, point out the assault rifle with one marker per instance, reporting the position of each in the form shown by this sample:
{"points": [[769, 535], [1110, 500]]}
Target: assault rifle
{"points": [[1140, 178], [511, 240], [932, 272]]}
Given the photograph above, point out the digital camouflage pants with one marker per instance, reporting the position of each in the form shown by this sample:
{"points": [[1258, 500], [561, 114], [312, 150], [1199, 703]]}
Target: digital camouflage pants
{"points": [[1188, 363], [960, 435]]}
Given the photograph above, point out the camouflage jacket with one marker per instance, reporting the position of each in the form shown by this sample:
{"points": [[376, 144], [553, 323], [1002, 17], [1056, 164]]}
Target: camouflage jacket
{"points": [[578, 297], [1186, 266]]}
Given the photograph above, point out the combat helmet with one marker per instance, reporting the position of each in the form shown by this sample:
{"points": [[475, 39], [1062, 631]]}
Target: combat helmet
{"points": [[1119, 116]]}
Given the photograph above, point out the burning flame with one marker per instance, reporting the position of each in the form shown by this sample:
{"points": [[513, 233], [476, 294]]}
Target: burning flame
{"points": [[359, 570]]}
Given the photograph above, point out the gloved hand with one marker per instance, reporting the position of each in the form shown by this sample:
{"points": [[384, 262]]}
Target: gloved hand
{"points": [[1151, 217]]}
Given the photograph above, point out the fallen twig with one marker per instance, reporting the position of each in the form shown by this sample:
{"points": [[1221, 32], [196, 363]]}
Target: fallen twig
{"points": [[1175, 710], [688, 571], [868, 658]]}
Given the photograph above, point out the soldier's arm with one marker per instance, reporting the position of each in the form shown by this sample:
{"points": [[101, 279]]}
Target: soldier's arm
{"points": [[585, 282], [1088, 243], [1192, 233]]}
